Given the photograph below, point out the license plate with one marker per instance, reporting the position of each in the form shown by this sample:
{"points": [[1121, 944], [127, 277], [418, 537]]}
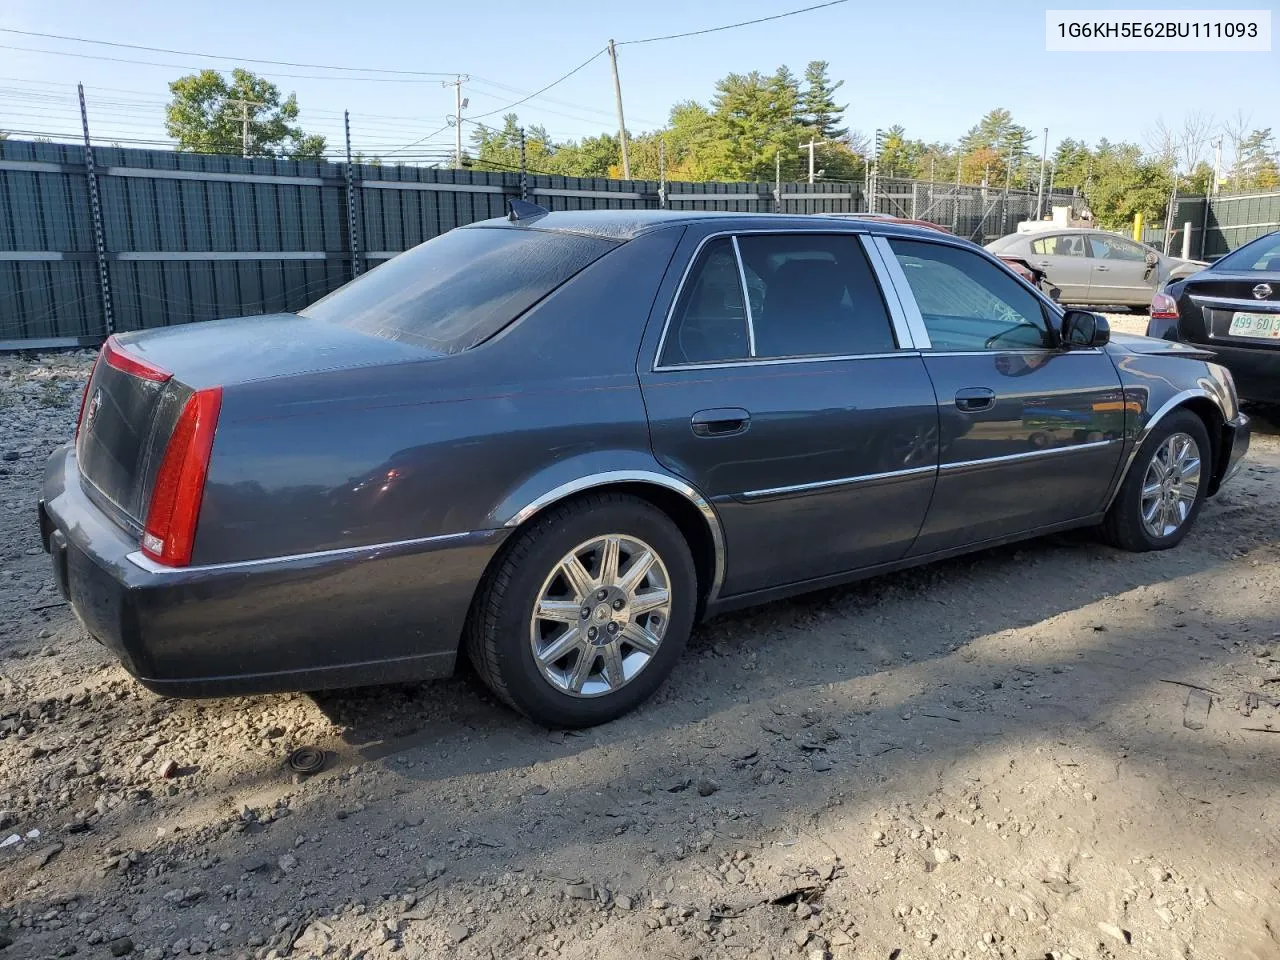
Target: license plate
{"points": [[1262, 326]]}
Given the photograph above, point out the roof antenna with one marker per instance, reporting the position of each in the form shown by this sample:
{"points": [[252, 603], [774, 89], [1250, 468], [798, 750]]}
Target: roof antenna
{"points": [[524, 210]]}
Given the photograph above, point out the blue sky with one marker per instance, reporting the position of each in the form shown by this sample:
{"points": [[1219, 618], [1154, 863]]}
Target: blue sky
{"points": [[933, 66]]}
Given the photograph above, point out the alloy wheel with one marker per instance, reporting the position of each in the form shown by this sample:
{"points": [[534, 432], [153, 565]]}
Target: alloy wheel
{"points": [[1171, 485], [600, 616]]}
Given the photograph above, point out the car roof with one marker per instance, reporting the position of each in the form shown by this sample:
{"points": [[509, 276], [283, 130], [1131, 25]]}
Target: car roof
{"points": [[625, 225]]}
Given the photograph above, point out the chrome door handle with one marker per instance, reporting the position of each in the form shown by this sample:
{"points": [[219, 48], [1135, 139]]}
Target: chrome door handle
{"points": [[975, 399], [720, 422]]}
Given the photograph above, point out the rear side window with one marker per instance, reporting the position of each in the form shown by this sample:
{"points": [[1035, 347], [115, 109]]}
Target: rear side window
{"points": [[710, 321], [461, 288], [813, 295]]}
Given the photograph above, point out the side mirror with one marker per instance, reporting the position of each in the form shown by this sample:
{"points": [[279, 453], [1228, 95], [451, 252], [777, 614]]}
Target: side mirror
{"points": [[1151, 259], [1080, 328], [1055, 294]]}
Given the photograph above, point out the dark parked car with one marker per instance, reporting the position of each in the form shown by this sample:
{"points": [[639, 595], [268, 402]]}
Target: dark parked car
{"points": [[1233, 309], [556, 442]]}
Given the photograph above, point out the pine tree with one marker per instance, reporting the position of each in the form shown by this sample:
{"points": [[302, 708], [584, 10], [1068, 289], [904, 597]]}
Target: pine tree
{"points": [[818, 109]]}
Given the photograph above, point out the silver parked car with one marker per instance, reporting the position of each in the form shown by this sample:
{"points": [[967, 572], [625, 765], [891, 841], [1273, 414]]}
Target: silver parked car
{"points": [[1094, 266]]}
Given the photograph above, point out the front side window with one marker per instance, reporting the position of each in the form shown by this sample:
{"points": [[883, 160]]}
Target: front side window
{"points": [[709, 324], [1063, 245], [967, 302], [813, 295], [1116, 248], [461, 288]]}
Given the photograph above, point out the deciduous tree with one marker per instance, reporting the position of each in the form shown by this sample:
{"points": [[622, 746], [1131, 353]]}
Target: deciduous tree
{"points": [[206, 114]]}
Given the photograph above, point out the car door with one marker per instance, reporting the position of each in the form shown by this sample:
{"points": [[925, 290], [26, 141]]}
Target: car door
{"points": [[792, 406], [1063, 258], [1120, 273], [1027, 436]]}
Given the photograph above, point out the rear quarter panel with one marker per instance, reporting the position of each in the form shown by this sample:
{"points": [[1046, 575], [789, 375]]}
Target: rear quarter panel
{"points": [[413, 450]]}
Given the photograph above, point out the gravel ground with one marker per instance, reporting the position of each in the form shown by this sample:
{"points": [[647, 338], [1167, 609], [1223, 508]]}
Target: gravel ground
{"points": [[1051, 750]]}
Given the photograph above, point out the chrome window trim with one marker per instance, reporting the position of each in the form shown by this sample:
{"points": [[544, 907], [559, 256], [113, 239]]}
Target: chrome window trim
{"points": [[746, 299], [1174, 402], [1232, 303], [840, 482], [915, 319], [1020, 351], [777, 361], [1029, 455], [657, 367], [889, 290], [686, 490], [143, 562]]}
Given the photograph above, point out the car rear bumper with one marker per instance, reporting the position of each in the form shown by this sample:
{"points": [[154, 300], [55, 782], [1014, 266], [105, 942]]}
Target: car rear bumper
{"points": [[1255, 370], [338, 618]]}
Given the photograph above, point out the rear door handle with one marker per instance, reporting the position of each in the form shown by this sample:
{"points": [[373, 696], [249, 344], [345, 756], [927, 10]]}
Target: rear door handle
{"points": [[1100, 268], [1042, 263], [975, 399], [720, 422]]}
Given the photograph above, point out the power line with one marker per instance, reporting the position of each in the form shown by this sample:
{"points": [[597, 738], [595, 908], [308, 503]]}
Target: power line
{"points": [[188, 66], [218, 56], [731, 26], [553, 83]]}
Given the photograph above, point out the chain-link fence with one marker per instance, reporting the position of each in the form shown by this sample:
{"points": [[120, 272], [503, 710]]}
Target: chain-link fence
{"points": [[980, 214]]}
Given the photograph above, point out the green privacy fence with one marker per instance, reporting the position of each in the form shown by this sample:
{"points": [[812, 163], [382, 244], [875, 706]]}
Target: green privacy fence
{"points": [[188, 237], [1232, 221]]}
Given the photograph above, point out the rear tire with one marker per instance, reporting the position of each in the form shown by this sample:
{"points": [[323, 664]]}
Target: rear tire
{"points": [[1165, 487], [567, 627]]}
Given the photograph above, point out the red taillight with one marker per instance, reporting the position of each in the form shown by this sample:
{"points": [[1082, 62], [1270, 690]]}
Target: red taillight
{"points": [[116, 357], [1164, 307], [170, 529]]}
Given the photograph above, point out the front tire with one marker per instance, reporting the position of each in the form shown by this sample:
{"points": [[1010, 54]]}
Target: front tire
{"points": [[586, 612], [1165, 487]]}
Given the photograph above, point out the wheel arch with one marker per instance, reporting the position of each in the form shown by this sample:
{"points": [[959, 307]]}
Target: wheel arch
{"points": [[682, 503], [1207, 406]]}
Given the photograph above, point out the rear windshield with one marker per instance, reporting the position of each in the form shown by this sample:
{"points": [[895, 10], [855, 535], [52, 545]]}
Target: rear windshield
{"points": [[1263, 254], [461, 288]]}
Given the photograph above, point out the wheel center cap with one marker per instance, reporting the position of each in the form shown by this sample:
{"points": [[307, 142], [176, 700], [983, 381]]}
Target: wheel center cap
{"points": [[602, 613]]}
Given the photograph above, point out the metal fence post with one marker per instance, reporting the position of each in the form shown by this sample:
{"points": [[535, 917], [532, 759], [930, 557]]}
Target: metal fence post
{"points": [[95, 208], [353, 237], [662, 173], [524, 170]]}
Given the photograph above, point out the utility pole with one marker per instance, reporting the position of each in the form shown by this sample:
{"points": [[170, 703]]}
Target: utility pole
{"points": [[460, 103], [622, 123], [244, 122], [1217, 165], [813, 142], [1044, 155]]}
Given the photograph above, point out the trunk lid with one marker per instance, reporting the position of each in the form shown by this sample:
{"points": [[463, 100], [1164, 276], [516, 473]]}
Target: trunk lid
{"points": [[142, 381], [1211, 300]]}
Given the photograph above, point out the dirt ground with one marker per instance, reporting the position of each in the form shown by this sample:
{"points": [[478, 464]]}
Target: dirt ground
{"points": [[1050, 750]]}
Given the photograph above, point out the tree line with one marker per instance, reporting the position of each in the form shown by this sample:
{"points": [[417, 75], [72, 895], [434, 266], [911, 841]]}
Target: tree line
{"points": [[755, 125]]}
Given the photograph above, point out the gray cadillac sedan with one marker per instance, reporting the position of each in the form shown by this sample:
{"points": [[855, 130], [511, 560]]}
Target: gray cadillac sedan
{"points": [[558, 440]]}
